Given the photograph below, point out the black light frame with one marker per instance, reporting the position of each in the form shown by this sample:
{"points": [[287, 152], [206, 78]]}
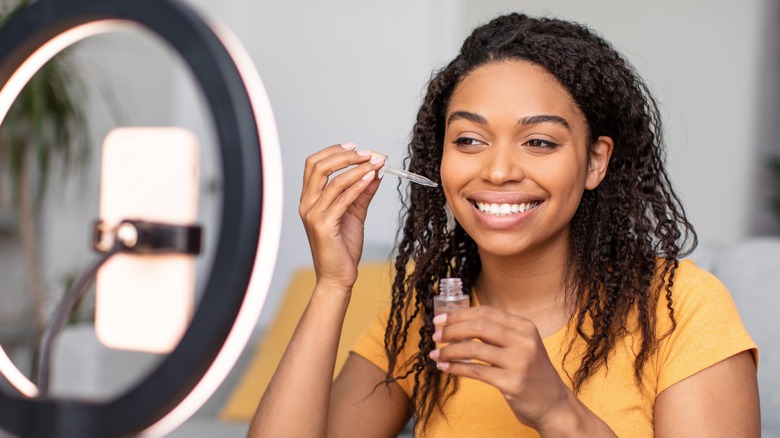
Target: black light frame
{"points": [[239, 140]]}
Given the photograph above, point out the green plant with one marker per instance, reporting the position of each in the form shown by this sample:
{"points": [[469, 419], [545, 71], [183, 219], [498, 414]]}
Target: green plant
{"points": [[44, 130]]}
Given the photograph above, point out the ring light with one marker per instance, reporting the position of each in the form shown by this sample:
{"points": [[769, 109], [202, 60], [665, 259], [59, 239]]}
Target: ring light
{"points": [[245, 252]]}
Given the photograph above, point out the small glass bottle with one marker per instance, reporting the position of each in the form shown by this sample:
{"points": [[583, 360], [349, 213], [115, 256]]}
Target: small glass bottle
{"points": [[451, 296]]}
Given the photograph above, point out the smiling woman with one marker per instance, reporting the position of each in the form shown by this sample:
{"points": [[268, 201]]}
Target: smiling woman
{"points": [[556, 212], [523, 146]]}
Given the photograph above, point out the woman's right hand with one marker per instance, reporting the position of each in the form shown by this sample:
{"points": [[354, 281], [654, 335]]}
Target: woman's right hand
{"points": [[334, 210]]}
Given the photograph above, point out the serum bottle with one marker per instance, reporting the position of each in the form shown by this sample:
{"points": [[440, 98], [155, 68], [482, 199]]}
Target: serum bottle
{"points": [[451, 296]]}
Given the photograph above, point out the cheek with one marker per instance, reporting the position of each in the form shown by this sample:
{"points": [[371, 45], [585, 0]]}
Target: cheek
{"points": [[444, 167], [565, 176], [449, 183], [456, 172], [449, 171]]}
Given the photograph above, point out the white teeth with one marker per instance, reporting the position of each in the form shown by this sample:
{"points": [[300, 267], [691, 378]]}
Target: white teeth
{"points": [[505, 209]]}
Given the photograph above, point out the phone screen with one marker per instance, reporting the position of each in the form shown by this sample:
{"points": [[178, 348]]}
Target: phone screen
{"points": [[145, 302]]}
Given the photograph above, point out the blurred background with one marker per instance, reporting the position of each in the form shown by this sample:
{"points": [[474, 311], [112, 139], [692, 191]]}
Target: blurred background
{"points": [[350, 70]]}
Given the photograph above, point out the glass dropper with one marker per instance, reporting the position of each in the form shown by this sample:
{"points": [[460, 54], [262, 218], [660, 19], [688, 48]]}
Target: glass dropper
{"points": [[413, 177]]}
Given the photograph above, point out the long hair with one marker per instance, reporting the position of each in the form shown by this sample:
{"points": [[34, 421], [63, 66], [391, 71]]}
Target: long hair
{"points": [[619, 232]]}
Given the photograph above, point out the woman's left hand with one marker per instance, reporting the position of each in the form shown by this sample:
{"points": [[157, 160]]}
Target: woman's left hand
{"points": [[506, 351]]}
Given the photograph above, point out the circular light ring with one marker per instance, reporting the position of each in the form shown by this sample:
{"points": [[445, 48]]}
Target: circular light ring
{"points": [[242, 206]]}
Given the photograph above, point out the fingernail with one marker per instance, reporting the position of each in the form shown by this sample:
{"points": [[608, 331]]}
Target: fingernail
{"points": [[380, 173], [440, 318], [436, 336], [442, 365], [378, 159], [434, 354], [349, 146], [369, 176], [364, 153]]}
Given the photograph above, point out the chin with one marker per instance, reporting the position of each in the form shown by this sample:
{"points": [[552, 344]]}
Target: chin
{"points": [[509, 246]]}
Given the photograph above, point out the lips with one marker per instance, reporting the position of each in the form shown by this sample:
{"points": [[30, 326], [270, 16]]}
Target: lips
{"points": [[505, 209]]}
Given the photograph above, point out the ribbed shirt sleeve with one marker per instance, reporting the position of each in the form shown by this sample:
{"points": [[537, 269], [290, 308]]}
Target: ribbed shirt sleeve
{"points": [[709, 328]]}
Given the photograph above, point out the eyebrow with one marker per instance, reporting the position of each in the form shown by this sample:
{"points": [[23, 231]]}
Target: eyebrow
{"points": [[530, 120], [476, 118], [544, 118]]}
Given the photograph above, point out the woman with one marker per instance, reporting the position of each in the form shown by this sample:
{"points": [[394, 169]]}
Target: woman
{"points": [[555, 210]]}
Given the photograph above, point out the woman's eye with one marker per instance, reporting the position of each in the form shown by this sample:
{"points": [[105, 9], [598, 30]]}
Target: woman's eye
{"points": [[541, 144], [466, 141]]}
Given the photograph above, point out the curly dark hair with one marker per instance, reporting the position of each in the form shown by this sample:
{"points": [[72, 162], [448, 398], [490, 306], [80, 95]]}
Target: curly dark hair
{"points": [[626, 235]]}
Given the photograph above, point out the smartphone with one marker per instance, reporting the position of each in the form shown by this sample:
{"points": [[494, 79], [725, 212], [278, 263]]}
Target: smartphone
{"points": [[145, 302]]}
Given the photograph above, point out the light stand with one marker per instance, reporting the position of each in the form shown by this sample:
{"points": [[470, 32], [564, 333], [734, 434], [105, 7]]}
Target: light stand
{"points": [[245, 253]]}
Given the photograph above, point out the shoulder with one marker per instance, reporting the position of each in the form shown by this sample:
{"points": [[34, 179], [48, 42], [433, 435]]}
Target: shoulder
{"points": [[688, 275], [696, 297], [702, 328], [693, 288]]}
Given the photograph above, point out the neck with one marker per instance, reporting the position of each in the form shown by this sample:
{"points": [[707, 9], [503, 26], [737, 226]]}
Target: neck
{"points": [[530, 286]]}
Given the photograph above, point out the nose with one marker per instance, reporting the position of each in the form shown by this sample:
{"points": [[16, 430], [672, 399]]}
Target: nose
{"points": [[503, 164]]}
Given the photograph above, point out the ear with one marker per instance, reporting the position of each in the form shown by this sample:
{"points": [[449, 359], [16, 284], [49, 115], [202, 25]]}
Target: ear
{"points": [[600, 152]]}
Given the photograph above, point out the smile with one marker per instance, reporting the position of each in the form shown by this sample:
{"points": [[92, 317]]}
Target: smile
{"points": [[505, 209]]}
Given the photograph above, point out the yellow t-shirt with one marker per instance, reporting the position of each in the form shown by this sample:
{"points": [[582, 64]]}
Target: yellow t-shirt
{"points": [[708, 331]]}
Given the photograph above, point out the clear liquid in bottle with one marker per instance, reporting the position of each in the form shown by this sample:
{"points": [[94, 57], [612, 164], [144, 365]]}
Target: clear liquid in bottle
{"points": [[450, 298]]}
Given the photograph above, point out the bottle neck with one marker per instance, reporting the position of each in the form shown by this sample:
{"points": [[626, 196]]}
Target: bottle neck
{"points": [[449, 287]]}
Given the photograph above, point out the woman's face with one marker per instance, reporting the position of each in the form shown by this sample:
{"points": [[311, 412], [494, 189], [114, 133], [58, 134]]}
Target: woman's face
{"points": [[515, 160]]}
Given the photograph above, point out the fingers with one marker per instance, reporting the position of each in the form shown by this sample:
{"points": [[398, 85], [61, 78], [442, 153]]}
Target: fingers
{"points": [[475, 370], [488, 335], [488, 324], [504, 351], [511, 383], [323, 164], [365, 196], [343, 149], [472, 351], [351, 188]]}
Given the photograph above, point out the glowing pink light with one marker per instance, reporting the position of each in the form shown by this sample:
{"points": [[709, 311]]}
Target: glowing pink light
{"points": [[267, 247], [268, 242], [8, 95]]}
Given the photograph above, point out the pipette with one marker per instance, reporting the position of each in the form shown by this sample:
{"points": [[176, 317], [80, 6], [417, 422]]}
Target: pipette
{"points": [[413, 177]]}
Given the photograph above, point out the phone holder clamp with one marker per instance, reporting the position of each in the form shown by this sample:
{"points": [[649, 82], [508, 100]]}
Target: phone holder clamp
{"points": [[143, 237]]}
